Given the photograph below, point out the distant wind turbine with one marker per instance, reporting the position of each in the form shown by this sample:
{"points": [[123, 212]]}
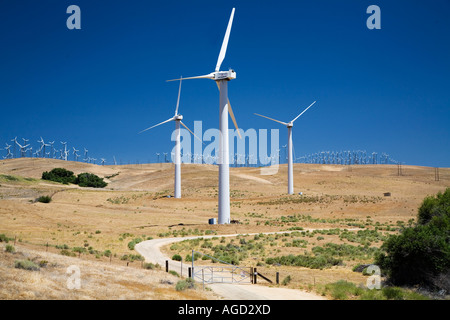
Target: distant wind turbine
{"points": [[177, 118], [289, 125]]}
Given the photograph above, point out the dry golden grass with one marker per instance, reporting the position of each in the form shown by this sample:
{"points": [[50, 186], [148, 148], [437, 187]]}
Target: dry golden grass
{"points": [[135, 202], [99, 280]]}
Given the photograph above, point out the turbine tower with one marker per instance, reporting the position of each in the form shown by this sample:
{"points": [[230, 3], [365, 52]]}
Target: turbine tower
{"points": [[221, 78], [177, 118], [65, 151], [290, 148]]}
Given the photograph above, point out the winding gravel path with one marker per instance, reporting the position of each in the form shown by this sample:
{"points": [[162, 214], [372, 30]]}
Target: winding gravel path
{"points": [[151, 251]]}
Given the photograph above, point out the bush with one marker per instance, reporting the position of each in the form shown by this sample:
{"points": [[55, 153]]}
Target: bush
{"points": [[188, 257], [90, 180], [68, 253], [434, 207], [185, 284], [44, 199], [342, 289], [132, 257], [4, 238], [174, 273], [286, 281], [420, 255], [26, 265], [177, 257], [9, 248], [60, 175], [312, 262], [150, 266], [133, 243]]}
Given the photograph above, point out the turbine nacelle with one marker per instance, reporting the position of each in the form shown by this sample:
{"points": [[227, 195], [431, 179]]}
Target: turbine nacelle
{"points": [[216, 76], [224, 75], [178, 117], [290, 125]]}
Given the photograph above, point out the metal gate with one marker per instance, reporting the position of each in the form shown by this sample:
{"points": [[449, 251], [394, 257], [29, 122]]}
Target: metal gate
{"points": [[227, 273]]}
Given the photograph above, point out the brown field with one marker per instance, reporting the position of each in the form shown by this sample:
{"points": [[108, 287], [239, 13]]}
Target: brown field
{"points": [[135, 204]]}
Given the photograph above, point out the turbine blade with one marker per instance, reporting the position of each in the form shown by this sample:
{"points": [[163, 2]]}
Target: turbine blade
{"points": [[178, 101], [223, 50], [230, 111], [191, 132], [171, 119], [272, 119], [206, 76], [304, 111]]}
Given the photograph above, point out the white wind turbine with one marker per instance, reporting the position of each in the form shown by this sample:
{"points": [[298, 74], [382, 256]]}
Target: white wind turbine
{"points": [[75, 154], [22, 149], [42, 148], [290, 148], [177, 118], [222, 78], [9, 154], [65, 151]]}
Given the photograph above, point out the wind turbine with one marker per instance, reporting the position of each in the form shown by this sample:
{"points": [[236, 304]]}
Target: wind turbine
{"points": [[177, 118], [65, 151], [75, 154], [42, 149], [289, 125], [222, 78], [9, 154], [14, 144], [22, 149], [53, 148]]}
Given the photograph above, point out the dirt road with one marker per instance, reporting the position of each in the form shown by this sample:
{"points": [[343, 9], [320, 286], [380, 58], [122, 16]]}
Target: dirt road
{"points": [[151, 251]]}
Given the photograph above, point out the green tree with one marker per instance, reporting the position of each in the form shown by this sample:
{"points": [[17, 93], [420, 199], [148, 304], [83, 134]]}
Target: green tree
{"points": [[60, 175], [421, 253], [90, 180]]}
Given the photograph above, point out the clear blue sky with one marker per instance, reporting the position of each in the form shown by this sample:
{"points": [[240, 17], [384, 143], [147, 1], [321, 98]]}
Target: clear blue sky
{"points": [[382, 90]]}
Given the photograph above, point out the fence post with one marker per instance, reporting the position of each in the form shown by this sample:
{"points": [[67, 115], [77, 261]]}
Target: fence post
{"points": [[190, 272], [167, 265], [251, 275], [255, 275], [278, 277]]}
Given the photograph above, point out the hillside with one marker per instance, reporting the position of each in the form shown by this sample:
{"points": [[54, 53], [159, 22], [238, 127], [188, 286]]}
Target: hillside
{"points": [[135, 204]]}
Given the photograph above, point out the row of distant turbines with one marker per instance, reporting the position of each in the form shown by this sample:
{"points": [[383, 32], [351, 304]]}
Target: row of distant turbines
{"points": [[46, 150], [355, 157]]}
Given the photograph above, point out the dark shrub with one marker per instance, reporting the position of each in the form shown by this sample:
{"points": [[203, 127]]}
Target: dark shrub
{"points": [[90, 180], [60, 175], [4, 238], [176, 257], [421, 254], [434, 206], [44, 199]]}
